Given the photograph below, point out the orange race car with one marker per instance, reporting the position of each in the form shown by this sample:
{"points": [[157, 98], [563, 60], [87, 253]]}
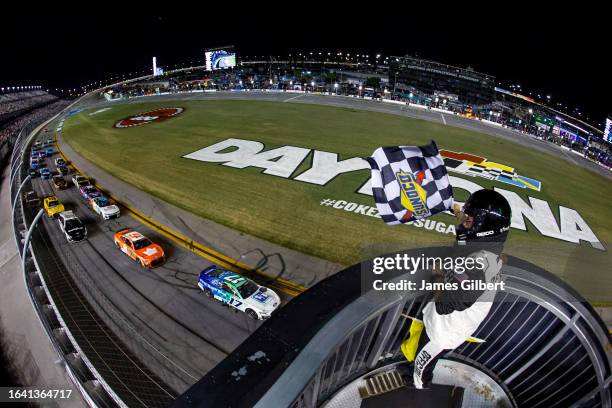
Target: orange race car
{"points": [[139, 248]]}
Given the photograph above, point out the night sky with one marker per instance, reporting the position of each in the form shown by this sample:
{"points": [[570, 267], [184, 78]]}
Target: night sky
{"points": [[565, 55]]}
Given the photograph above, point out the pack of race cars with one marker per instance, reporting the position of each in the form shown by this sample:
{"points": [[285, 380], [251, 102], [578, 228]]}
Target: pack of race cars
{"points": [[70, 225], [230, 288]]}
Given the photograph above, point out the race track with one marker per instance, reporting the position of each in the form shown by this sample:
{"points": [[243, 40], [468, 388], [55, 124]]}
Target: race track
{"points": [[356, 103], [165, 303]]}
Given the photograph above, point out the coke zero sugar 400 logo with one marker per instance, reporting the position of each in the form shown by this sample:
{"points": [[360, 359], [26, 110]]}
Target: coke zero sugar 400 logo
{"points": [[157, 115]]}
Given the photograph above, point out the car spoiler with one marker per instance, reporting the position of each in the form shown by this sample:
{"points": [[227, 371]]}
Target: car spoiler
{"points": [[122, 230]]}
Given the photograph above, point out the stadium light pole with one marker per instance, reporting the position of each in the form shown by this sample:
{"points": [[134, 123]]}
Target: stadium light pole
{"points": [[394, 83]]}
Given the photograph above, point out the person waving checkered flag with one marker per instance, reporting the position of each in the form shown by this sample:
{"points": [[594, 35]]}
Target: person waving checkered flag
{"points": [[409, 183]]}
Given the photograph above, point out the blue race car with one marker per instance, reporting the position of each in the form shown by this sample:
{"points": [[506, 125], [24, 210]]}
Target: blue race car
{"points": [[241, 293], [36, 163], [45, 174], [49, 151]]}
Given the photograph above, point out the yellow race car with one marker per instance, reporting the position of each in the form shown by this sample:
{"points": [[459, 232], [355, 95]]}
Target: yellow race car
{"points": [[52, 206]]}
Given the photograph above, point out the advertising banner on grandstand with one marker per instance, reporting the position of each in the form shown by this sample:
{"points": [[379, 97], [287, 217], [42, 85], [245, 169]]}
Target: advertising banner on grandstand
{"points": [[608, 131], [543, 122], [220, 59]]}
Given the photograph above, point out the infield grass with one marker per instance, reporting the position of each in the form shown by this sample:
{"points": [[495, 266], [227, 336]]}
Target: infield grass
{"points": [[288, 212]]}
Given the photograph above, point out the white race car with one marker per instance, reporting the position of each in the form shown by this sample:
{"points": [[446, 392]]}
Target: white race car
{"points": [[104, 207], [71, 226], [80, 181], [233, 289]]}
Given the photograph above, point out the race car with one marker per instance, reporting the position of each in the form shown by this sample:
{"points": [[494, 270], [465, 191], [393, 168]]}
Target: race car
{"points": [[52, 206], [59, 182], [33, 172], [89, 192], [31, 198], [59, 162], [71, 226], [63, 170], [80, 181], [139, 248], [104, 207], [49, 151], [45, 174], [241, 293], [35, 163]]}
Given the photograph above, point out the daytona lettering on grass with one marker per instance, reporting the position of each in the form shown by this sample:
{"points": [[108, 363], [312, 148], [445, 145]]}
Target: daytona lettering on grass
{"points": [[326, 166], [366, 210]]}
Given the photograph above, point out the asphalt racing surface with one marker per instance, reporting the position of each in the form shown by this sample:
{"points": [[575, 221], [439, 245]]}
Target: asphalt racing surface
{"points": [[190, 332], [193, 332]]}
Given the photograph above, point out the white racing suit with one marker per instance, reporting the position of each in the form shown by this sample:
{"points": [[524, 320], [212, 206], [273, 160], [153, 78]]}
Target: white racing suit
{"points": [[448, 326]]}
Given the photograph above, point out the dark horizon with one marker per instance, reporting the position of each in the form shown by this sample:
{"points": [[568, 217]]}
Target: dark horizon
{"points": [[568, 64]]}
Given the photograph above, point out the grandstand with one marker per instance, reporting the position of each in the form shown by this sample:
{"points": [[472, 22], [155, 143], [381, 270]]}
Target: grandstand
{"points": [[13, 103], [421, 83], [319, 349], [434, 78], [19, 109]]}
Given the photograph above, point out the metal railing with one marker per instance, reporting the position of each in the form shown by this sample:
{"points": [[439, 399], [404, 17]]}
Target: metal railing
{"points": [[82, 377], [74, 311], [545, 346], [103, 351]]}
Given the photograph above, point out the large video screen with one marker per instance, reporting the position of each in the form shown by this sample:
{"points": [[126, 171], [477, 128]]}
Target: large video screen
{"points": [[608, 130], [220, 59]]}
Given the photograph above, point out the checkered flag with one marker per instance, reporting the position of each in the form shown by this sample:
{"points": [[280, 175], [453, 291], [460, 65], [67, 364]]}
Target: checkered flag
{"points": [[409, 183]]}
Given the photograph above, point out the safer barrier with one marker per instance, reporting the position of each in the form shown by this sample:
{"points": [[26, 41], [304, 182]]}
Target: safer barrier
{"points": [[60, 338], [85, 327]]}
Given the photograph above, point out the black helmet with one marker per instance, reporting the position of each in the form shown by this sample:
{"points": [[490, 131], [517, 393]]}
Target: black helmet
{"points": [[492, 215]]}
